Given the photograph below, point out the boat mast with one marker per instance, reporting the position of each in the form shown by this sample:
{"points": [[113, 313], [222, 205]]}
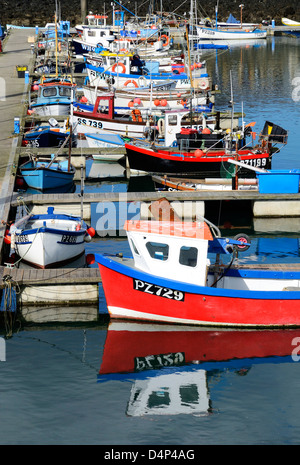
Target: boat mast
{"points": [[56, 48], [217, 6]]}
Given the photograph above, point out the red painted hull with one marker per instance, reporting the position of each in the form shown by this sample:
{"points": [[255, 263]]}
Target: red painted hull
{"points": [[200, 306]]}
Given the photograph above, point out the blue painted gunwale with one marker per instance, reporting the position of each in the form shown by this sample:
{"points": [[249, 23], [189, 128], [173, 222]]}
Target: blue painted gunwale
{"points": [[156, 76], [121, 268]]}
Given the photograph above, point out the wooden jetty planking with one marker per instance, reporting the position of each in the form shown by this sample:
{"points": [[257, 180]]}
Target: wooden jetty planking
{"points": [[33, 276], [41, 199]]}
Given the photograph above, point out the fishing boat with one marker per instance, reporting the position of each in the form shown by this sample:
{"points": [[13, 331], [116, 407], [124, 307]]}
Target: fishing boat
{"points": [[165, 126], [47, 135], [175, 276], [119, 69], [102, 119], [200, 163], [54, 97], [206, 162], [91, 39], [49, 239], [236, 31], [47, 174], [154, 98], [205, 33]]}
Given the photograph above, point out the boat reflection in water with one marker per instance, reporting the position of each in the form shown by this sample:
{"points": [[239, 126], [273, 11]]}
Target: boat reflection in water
{"points": [[172, 367]]}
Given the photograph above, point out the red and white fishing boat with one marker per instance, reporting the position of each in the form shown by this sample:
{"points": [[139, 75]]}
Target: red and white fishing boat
{"points": [[172, 278]]}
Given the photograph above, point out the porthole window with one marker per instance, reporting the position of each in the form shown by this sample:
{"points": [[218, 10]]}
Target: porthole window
{"points": [[188, 256], [158, 250]]}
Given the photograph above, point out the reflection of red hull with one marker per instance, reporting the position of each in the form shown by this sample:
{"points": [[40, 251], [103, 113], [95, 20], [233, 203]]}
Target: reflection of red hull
{"points": [[127, 341]]}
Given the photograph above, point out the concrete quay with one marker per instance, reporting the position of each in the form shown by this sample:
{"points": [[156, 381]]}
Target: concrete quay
{"points": [[13, 97]]}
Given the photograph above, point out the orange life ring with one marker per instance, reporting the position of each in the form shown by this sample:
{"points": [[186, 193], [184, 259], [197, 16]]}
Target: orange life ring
{"points": [[131, 81], [183, 102], [167, 40], [119, 64]]}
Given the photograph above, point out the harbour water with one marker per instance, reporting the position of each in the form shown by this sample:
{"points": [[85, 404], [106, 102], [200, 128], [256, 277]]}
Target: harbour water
{"points": [[78, 383]]}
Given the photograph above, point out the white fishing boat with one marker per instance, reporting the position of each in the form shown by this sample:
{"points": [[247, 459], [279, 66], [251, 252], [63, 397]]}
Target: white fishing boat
{"points": [[236, 31], [230, 34], [147, 99], [120, 69], [50, 239]]}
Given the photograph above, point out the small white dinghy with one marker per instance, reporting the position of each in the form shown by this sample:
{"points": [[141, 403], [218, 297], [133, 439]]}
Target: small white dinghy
{"points": [[50, 239]]}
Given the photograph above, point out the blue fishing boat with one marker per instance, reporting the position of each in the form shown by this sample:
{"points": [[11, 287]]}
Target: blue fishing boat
{"points": [[43, 175], [54, 97], [46, 136]]}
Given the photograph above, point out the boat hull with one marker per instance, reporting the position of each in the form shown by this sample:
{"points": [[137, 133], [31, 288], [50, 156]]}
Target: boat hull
{"points": [[50, 239], [134, 294], [46, 138], [216, 34], [43, 178], [144, 159], [51, 109], [36, 252]]}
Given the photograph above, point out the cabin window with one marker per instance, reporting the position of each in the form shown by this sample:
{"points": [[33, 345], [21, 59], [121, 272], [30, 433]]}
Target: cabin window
{"points": [[134, 247], [158, 250], [188, 256], [91, 33], [172, 120], [49, 92], [65, 91]]}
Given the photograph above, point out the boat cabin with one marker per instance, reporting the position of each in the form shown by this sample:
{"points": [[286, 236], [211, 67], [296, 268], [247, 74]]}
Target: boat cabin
{"points": [[171, 249], [55, 89], [96, 20], [177, 250], [176, 122], [104, 107], [101, 36], [47, 92]]}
